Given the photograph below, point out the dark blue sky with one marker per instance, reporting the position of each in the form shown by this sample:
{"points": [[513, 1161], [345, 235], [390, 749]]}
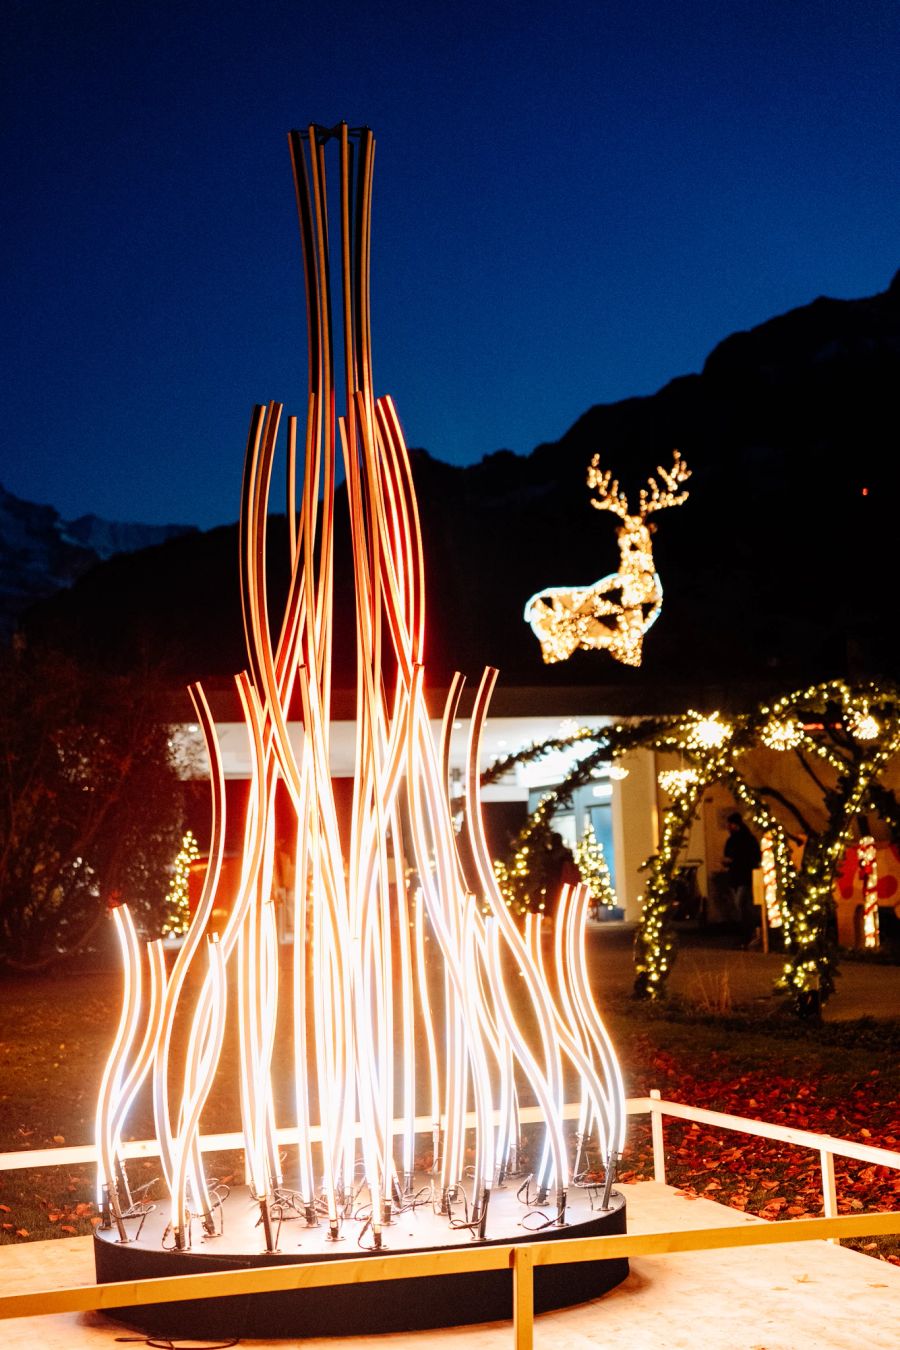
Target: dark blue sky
{"points": [[573, 204]]}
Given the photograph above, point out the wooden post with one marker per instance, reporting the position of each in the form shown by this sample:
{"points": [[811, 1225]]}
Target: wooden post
{"points": [[656, 1131], [829, 1189], [522, 1261]]}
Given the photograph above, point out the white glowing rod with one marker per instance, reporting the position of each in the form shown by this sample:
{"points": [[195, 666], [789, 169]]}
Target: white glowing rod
{"points": [[867, 858], [615, 612], [770, 882], [360, 1002]]}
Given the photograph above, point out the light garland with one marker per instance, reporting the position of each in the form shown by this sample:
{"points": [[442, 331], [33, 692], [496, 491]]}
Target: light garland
{"points": [[615, 612]]}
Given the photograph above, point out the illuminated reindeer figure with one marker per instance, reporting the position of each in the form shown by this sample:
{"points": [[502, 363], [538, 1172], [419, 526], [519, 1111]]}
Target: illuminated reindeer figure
{"points": [[617, 610]]}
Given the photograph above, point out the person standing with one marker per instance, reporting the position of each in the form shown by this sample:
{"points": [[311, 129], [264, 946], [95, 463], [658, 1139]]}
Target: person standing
{"points": [[742, 857]]}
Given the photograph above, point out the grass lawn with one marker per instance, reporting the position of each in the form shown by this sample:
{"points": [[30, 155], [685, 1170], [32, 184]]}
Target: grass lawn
{"points": [[842, 1079]]}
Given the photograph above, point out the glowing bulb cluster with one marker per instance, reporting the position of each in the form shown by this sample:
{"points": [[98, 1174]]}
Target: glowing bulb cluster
{"points": [[782, 735], [707, 733], [674, 782], [862, 724]]}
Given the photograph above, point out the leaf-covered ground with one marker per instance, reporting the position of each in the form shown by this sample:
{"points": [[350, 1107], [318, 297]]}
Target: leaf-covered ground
{"points": [[806, 1081], [845, 1082]]}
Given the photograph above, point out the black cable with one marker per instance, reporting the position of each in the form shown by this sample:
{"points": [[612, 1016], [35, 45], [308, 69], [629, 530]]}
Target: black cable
{"points": [[548, 1221], [167, 1344]]}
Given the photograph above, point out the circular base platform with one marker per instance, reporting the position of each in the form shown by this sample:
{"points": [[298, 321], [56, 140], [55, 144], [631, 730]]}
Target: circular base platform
{"points": [[356, 1309]]}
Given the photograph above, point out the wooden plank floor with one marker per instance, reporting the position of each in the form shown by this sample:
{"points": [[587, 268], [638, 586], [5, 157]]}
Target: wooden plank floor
{"points": [[799, 1296]]}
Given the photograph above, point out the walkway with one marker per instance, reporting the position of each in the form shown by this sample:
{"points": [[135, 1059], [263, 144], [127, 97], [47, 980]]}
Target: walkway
{"points": [[799, 1296], [715, 975]]}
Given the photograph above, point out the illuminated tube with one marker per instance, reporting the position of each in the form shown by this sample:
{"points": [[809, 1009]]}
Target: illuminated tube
{"points": [[549, 1089], [200, 1074], [144, 1058], [113, 1072], [590, 1018]]}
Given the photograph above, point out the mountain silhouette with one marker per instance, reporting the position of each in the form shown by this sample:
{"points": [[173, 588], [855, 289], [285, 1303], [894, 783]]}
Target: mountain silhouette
{"points": [[40, 552], [778, 571]]}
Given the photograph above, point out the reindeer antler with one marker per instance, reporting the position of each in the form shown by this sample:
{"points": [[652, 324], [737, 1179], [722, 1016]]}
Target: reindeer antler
{"points": [[609, 497], [669, 496]]}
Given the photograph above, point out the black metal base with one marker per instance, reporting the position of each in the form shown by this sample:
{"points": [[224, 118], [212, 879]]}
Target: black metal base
{"points": [[409, 1304]]}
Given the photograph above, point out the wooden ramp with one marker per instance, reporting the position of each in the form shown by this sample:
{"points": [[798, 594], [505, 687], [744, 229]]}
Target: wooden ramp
{"points": [[796, 1296]]}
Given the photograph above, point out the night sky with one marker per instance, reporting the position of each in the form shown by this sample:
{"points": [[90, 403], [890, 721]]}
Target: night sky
{"points": [[573, 204]]}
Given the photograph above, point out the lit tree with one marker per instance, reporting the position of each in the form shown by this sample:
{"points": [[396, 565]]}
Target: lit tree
{"points": [[590, 860], [178, 917]]}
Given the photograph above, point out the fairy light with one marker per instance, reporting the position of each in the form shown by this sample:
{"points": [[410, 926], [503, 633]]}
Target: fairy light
{"points": [[615, 612], [517, 880]]}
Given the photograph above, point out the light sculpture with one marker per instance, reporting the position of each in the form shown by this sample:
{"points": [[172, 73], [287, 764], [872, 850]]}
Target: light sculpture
{"points": [[385, 1046], [615, 612]]}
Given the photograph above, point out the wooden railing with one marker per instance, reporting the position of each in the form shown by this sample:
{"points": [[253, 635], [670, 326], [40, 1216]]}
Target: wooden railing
{"points": [[520, 1257]]}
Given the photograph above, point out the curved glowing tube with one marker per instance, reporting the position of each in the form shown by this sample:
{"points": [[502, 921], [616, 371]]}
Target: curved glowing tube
{"points": [[597, 1030], [549, 1089], [112, 1073], [202, 1074], [144, 1058]]}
